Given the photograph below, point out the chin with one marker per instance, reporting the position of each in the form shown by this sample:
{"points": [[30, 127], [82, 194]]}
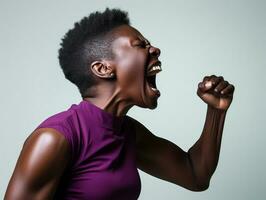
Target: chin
{"points": [[153, 105], [150, 104], [147, 100]]}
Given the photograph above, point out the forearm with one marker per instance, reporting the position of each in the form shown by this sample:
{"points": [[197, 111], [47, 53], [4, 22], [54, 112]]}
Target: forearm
{"points": [[204, 154]]}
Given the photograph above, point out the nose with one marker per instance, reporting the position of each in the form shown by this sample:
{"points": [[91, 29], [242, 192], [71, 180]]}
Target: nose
{"points": [[154, 51]]}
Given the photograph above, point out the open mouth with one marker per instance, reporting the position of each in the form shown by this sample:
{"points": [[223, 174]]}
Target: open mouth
{"points": [[151, 77]]}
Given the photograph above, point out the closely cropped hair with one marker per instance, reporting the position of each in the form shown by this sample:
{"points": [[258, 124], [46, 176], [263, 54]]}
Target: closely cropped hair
{"points": [[86, 42]]}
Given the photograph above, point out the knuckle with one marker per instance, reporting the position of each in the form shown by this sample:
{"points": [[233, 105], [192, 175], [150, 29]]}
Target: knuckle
{"points": [[206, 78], [216, 80], [212, 77], [199, 84]]}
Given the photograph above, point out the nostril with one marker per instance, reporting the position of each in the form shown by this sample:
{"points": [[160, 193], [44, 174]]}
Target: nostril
{"points": [[155, 51]]}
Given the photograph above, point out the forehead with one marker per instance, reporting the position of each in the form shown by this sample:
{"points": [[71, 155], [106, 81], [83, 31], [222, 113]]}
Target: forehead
{"points": [[129, 32]]}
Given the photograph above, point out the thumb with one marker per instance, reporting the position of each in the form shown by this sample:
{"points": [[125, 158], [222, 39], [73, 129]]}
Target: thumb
{"points": [[205, 86]]}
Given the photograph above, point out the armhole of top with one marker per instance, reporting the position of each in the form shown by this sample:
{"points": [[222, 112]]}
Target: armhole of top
{"points": [[132, 127], [64, 131]]}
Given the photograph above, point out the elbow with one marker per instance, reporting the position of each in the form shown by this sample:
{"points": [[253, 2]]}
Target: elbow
{"points": [[200, 181], [200, 187], [196, 186]]}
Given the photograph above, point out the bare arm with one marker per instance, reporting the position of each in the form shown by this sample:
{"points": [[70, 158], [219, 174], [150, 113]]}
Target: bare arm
{"points": [[204, 154], [163, 159], [193, 169], [41, 163]]}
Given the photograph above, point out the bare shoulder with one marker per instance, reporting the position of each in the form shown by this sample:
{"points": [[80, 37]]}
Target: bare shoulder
{"points": [[41, 163], [48, 136], [48, 143]]}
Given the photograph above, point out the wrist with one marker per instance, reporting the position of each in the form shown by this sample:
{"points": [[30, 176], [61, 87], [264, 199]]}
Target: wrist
{"points": [[215, 112]]}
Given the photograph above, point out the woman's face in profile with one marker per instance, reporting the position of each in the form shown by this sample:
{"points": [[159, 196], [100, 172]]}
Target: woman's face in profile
{"points": [[136, 64]]}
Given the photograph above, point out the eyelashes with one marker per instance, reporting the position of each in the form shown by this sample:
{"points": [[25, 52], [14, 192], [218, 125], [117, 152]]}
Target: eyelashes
{"points": [[142, 44]]}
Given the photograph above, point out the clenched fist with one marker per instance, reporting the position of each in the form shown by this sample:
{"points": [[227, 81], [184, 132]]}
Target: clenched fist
{"points": [[216, 92]]}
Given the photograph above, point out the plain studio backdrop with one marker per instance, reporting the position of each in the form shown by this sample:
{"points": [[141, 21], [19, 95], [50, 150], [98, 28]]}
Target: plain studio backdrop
{"points": [[196, 38]]}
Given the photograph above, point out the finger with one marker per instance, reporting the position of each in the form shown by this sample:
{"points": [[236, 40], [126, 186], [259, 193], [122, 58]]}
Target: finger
{"points": [[216, 80], [206, 78], [205, 86], [209, 82], [206, 83], [229, 90], [222, 85]]}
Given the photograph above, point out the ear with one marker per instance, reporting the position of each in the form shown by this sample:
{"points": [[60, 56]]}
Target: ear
{"points": [[102, 69]]}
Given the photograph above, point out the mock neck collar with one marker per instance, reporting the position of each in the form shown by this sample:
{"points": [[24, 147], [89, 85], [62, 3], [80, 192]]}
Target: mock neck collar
{"points": [[102, 117]]}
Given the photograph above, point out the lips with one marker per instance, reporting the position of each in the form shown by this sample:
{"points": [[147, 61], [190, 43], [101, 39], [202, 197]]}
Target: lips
{"points": [[151, 72]]}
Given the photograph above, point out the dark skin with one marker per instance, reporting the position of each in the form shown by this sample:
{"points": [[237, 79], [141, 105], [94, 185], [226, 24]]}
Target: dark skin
{"points": [[38, 171]]}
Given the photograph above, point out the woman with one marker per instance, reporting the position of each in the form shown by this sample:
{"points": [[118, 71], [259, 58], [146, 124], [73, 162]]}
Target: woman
{"points": [[93, 149]]}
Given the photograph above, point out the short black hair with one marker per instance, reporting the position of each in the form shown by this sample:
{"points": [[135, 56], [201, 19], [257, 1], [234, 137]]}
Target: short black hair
{"points": [[86, 42]]}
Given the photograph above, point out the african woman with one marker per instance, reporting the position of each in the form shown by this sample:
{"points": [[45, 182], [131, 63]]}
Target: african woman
{"points": [[93, 149]]}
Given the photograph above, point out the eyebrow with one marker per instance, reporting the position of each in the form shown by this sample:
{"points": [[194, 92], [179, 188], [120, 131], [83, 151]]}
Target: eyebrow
{"points": [[147, 41]]}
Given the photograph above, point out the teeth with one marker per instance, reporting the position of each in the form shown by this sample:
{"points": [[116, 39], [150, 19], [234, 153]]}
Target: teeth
{"points": [[156, 68]]}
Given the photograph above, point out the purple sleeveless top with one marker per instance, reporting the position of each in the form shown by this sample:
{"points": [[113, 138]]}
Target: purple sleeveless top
{"points": [[103, 154]]}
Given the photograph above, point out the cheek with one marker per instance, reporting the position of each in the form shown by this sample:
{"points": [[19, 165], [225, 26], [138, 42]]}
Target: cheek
{"points": [[131, 69]]}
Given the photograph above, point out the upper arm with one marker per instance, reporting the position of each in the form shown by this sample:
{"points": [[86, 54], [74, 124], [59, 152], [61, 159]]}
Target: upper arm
{"points": [[163, 159], [41, 162]]}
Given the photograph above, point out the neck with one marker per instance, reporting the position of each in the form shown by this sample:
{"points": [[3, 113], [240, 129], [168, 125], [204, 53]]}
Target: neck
{"points": [[109, 100]]}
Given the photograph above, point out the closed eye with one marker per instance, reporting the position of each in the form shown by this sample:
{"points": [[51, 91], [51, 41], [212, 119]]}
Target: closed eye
{"points": [[143, 44]]}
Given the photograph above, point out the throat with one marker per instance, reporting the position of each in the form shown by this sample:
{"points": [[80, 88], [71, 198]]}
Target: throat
{"points": [[112, 103]]}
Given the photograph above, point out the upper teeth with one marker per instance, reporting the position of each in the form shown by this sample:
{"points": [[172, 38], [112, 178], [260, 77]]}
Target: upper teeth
{"points": [[155, 68]]}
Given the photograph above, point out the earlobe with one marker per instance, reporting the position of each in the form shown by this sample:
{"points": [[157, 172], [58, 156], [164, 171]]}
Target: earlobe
{"points": [[102, 69]]}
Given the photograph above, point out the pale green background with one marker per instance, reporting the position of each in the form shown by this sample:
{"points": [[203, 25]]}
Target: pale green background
{"points": [[197, 38]]}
